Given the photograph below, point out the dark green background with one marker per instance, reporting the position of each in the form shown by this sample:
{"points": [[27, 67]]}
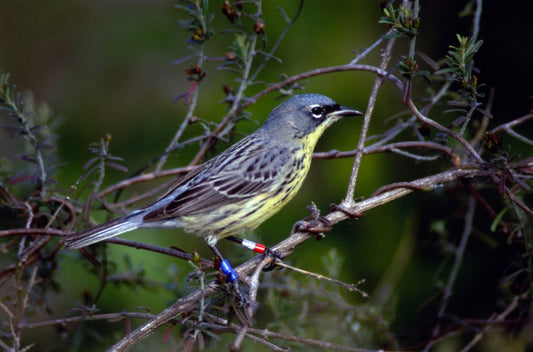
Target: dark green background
{"points": [[106, 67]]}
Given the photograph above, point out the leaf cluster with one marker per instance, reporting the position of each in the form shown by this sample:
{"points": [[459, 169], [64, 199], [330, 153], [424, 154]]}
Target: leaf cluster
{"points": [[33, 124], [401, 21], [199, 19], [460, 62]]}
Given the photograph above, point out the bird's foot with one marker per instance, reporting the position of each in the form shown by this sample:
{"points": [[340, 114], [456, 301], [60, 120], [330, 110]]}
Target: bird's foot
{"points": [[317, 226], [276, 257], [314, 223]]}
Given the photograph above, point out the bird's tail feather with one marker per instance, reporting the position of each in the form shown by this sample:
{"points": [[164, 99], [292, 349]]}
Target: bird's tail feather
{"points": [[101, 232]]}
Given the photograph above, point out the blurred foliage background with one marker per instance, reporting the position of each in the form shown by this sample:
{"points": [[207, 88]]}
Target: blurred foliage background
{"points": [[107, 68]]}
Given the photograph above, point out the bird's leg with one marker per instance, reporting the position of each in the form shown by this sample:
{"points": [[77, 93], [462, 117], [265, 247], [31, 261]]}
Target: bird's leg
{"points": [[225, 266], [251, 245], [254, 246], [258, 248], [227, 270]]}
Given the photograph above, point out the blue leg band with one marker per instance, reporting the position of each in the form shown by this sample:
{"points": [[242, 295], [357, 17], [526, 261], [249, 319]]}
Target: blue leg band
{"points": [[226, 268]]}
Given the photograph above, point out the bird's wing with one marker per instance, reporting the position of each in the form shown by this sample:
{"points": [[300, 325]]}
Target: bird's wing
{"points": [[235, 175]]}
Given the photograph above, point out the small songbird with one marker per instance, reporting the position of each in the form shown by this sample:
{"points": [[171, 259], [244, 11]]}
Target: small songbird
{"points": [[240, 188]]}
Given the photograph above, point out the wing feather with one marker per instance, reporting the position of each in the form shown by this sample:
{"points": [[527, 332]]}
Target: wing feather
{"points": [[221, 181]]}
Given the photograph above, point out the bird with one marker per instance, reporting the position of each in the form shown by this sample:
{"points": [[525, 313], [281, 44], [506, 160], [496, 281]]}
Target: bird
{"points": [[240, 188]]}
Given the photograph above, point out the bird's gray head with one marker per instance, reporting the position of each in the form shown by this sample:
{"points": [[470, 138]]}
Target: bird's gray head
{"points": [[306, 114]]}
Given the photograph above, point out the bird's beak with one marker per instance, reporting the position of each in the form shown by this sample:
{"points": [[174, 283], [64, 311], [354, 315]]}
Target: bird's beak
{"points": [[344, 111]]}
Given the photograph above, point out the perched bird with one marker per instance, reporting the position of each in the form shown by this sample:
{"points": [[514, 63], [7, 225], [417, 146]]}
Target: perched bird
{"points": [[240, 188]]}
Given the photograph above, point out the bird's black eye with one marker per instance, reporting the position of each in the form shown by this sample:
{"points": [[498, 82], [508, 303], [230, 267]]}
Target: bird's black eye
{"points": [[317, 111]]}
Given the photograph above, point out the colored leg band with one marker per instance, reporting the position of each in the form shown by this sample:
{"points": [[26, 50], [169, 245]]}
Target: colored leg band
{"points": [[256, 247], [226, 268]]}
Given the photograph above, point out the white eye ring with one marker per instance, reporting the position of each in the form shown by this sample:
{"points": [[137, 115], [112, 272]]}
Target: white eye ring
{"points": [[317, 111]]}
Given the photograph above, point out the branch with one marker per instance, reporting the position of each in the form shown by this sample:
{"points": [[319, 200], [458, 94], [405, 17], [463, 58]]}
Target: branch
{"points": [[515, 303], [393, 148], [144, 178], [107, 316], [378, 82], [274, 87], [172, 252], [287, 246], [459, 254], [321, 71], [445, 130], [237, 108], [508, 127]]}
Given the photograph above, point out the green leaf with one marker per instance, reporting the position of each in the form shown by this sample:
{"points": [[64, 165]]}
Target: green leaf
{"points": [[497, 219], [443, 71]]}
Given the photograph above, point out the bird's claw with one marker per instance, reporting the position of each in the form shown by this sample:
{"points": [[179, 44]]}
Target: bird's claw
{"points": [[276, 257], [314, 223], [242, 300], [317, 226]]}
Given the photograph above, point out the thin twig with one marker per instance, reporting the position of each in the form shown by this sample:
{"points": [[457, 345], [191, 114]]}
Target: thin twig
{"points": [[106, 316], [378, 82], [513, 123], [515, 303], [282, 35], [349, 287], [235, 108], [477, 20], [482, 130], [393, 148], [459, 254], [368, 50], [508, 127], [144, 178], [445, 130]]}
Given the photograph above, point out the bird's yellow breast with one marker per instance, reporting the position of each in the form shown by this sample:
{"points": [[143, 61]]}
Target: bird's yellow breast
{"points": [[247, 214]]}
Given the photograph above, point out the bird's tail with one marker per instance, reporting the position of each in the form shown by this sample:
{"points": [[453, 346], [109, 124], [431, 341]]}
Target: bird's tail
{"points": [[102, 232]]}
